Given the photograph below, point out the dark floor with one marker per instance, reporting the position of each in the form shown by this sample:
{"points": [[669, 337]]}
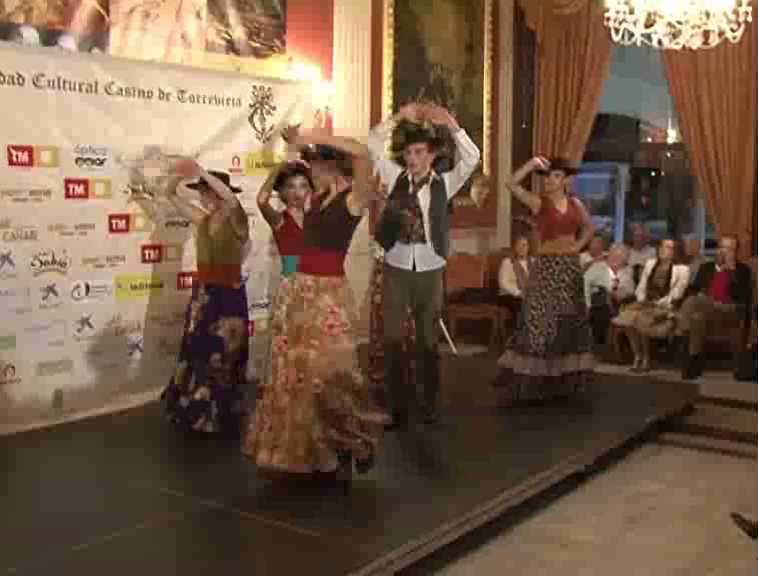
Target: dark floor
{"points": [[124, 494]]}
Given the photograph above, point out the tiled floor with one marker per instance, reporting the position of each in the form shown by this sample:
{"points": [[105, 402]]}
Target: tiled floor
{"points": [[662, 511]]}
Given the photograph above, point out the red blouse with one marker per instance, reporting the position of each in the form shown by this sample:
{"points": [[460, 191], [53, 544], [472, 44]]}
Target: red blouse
{"points": [[289, 236], [551, 223]]}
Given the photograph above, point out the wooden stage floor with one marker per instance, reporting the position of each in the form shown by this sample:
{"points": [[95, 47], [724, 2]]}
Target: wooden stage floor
{"points": [[124, 494]]}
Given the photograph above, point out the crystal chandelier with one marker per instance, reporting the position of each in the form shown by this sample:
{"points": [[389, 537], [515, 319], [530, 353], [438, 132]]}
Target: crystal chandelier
{"points": [[677, 24]]}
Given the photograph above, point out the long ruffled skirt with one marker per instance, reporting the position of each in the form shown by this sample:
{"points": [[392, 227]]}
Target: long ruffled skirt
{"points": [[206, 391], [313, 402], [550, 352]]}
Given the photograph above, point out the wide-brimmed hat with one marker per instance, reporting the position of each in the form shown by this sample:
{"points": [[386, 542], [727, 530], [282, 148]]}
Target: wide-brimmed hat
{"points": [[559, 164], [223, 176], [408, 133], [291, 170]]}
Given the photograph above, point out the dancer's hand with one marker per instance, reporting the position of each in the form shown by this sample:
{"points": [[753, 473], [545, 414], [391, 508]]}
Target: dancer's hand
{"points": [[411, 112], [540, 163], [187, 168], [289, 134]]}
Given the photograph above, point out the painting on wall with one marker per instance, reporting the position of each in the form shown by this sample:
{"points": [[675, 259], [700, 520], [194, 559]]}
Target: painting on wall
{"points": [[441, 51]]}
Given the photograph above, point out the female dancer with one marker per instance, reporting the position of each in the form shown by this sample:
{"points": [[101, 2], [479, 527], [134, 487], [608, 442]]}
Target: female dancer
{"points": [[313, 414], [660, 290], [292, 181], [551, 348], [205, 392]]}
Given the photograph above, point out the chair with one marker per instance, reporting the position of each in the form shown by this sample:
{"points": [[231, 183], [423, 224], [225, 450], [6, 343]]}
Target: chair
{"points": [[505, 317], [468, 271]]}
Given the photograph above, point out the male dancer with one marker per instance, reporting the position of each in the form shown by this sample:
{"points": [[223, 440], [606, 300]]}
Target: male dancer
{"points": [[413, 230]]}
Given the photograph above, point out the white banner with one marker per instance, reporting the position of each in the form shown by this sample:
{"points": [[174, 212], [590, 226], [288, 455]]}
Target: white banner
{"points": [[92, 291]]}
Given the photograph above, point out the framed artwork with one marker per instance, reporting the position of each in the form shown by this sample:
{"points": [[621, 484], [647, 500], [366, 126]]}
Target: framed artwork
{"points": [[442, 51]]}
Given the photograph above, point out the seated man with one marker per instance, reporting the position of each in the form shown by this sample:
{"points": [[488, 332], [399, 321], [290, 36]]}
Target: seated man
{"points": [[641, 251], [514, 276], [721, 289], [596, 252], [607, 284]]}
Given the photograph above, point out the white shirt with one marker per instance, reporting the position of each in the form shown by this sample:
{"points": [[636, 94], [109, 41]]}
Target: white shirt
{"points": [[641, 257], [404, 255], [601, 275], [507, 279]]}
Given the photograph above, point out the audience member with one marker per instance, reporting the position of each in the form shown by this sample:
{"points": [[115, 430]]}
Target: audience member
{"points": [[514, 275], [721, 290], [661, 288], [607, 284], [641, 251], [693, 255], [597, 251]]}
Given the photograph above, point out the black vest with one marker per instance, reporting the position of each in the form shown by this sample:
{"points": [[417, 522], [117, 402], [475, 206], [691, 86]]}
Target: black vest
{"points": [[391, 222]]}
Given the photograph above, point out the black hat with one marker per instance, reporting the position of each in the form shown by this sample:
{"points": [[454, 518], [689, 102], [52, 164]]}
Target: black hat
{"points": [[223, 176], [558, 164], [326, 153], [291, 170], [409, 133]]}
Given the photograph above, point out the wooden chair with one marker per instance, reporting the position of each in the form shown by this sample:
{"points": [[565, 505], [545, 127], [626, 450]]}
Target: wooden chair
{"points": [[468, 271]]}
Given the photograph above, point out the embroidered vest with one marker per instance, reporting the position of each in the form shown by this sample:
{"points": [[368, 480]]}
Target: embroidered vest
{"points": [[392, 224]]}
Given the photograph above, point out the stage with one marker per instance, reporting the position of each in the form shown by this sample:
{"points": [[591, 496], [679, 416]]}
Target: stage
{"points": [[124, 494]]}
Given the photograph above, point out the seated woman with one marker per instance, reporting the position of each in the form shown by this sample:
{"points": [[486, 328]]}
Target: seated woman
{"points": [[660, 290], [513, 277]]}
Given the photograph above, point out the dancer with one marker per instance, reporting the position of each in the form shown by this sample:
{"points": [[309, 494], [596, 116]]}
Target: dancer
{"points": [[205, 392], [413, 231], [314, 413], [293, 182], [550, 352], [376, 322], [653, 316]]}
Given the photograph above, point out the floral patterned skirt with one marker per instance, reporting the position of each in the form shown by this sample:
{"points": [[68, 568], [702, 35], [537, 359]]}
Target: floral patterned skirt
{"points": [[313, 402], [550, 353], [206, 391], [376, 335]]}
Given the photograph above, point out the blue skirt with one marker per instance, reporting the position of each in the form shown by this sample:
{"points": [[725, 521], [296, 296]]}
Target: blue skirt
{"points": [[205, 393]]}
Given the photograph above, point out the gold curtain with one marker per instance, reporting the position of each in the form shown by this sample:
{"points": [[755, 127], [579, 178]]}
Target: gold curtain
{"points": [[714, 98], [573, 55]]}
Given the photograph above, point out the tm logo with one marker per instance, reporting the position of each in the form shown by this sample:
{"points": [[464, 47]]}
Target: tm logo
{"points": [[30, 156], [86, 188]]}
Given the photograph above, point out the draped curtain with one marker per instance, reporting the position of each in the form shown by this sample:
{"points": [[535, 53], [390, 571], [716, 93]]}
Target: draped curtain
{"points": [[573, 56], [714, 94]]}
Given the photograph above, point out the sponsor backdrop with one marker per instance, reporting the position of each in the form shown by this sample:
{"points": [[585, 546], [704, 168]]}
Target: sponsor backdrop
{"points": [[92, 284]]}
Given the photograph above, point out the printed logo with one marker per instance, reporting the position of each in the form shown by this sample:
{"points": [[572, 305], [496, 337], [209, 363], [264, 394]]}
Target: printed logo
{"points": [[72, 230], [87, 188], [49, 296], [119, 326], [157, 253], [126, 223], [84, 327], [84, 291], [50, 334], [257, 163], [20, 195], [7, 265], [135, 346], [7, 343], [174, 219], [184, 280], [104, 262], [236, 167], [51, 262], [20, 156], [54, 367], [8, 374], [91, 157], [134, 286], [11, 233], [262, 107]]}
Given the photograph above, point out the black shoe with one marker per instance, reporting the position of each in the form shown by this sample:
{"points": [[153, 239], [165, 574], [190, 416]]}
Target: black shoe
{"points": [[748, 527], [363, 465], [693, 368]]}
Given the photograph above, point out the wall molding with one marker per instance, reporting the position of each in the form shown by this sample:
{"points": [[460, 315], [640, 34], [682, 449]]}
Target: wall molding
{"points": [[506, 10]]}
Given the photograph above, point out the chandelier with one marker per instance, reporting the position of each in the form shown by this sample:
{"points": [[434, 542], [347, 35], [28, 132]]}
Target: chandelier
{"points": [[677, 24]]}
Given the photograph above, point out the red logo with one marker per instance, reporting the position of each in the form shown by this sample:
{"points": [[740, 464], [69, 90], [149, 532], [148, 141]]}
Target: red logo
{"points": [[152, 253], [118, 223], [236, 165], [21, 156], [76, 188], [184, 280]]}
